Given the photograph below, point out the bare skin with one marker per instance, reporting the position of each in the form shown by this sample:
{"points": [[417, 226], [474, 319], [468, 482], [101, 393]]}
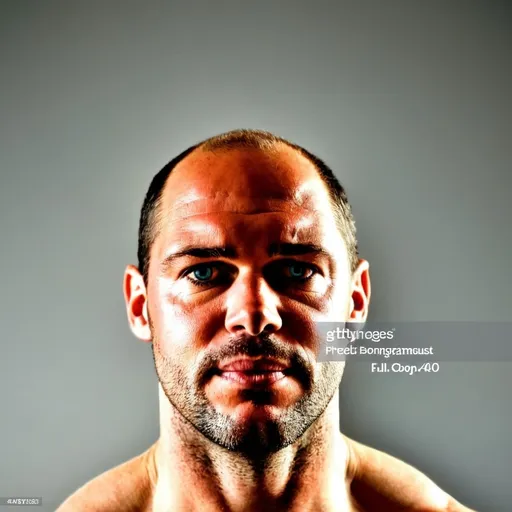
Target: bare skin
{"points": [[258, 452]]}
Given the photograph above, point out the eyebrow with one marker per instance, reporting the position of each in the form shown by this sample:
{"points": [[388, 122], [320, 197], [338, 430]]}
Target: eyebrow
{"points": [[275, 249], [287, 249]]}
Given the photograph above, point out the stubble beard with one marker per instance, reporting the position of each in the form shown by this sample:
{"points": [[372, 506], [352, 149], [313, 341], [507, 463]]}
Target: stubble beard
{"points": [[253, 440]]}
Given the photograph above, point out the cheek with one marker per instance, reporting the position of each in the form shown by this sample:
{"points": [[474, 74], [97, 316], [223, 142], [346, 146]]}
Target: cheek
{"points": [[183, 331], [338, 307], [171, 321]]}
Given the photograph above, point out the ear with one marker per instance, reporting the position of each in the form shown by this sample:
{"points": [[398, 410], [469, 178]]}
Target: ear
{"points": [[135, 297], [361, 291]]}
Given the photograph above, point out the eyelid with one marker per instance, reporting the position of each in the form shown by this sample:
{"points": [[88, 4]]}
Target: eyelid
{"points": [[295, 261], [218, 278], [191, 269], [217, 265]]}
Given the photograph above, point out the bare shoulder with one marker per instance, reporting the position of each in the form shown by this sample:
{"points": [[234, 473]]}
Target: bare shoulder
{"points": [[126, 487], [379, 481]]}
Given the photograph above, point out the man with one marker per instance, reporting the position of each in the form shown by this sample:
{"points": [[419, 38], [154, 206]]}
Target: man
{"points": [[245, 242]]}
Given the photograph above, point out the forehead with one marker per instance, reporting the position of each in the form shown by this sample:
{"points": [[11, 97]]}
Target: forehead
{"points": [[242, 181], [247, 193]]}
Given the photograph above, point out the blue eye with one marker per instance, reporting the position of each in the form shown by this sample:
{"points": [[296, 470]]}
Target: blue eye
{"points": [[208, 275], [300, 272], [297, 270], [203, 273]]}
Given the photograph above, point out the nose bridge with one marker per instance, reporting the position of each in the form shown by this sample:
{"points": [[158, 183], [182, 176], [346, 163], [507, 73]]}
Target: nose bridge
{"points": [[252, 305]]}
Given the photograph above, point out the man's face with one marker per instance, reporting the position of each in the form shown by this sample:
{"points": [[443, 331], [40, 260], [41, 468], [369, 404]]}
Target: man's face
{"points": [[233, 332]]}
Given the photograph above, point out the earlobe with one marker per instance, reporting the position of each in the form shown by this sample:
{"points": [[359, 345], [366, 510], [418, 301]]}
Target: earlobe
{"points": [[135, 297], [361, 292]]}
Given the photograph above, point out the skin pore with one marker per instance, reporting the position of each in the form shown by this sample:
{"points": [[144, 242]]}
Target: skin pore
{"points": [[247, 257]]}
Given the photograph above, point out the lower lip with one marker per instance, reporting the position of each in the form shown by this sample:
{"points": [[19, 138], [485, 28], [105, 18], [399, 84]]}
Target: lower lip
{"points": [[262, 379]]}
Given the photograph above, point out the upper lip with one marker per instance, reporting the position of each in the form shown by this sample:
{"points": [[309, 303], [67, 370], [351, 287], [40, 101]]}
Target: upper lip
{"points": [[246, 364]]}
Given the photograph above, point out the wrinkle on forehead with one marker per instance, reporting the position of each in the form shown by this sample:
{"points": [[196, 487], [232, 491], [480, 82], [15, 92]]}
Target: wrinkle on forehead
{"points": [[307, 198], [210, 231], [202, 207], [293, 227]]}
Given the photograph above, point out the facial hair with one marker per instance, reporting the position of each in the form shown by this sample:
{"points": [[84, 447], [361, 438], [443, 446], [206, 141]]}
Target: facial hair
{"points": [[185, 390]]}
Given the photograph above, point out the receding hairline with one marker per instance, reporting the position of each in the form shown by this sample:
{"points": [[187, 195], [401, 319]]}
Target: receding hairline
{"points": [[244, 138], [214, 146], [221, 149], [254, 141], [272, 148]]}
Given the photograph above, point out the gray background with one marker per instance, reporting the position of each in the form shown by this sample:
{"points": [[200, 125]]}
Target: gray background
{"points": [[408, 101]]}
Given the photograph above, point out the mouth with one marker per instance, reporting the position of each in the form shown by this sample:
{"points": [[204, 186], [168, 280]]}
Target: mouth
{"points": [[253, 373], [259, 379]]}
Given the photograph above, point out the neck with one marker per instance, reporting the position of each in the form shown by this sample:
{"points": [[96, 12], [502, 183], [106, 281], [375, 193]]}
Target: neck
{"points": [[192, 473]]}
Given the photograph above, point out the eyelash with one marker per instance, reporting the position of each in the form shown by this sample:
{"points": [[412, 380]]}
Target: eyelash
{"points": [[196, 281], [308, 266]]}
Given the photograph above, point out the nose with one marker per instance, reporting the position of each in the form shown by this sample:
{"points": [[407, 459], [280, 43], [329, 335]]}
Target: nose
{"points": [[252, 306]]}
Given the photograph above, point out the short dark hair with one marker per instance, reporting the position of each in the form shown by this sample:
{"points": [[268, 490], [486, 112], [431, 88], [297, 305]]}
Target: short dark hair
{"points": [[255, 139]]}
